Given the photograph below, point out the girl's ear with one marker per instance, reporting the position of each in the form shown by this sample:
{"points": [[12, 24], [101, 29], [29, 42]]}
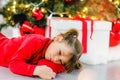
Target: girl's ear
{"points": [[58, 38]]}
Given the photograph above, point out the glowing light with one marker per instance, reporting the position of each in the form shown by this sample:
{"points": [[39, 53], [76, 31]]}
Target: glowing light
{"points": [[80, 15], [22, 6], [8, 9], [85, 9], [14, 2], [43, 10], [14, 10], [26, 6], [93, 17], [61, 15], [44, 0], [13, 7], [81, 0], [9, 18], [70, 16], [84, 16], [116, 2], [110, 0]]}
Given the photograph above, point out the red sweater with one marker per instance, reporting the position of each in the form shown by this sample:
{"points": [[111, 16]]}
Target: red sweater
{"points": [[23, 53]]}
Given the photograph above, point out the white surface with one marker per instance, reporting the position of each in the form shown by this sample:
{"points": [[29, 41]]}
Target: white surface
{"points": [[114, 53], [110, 71]]}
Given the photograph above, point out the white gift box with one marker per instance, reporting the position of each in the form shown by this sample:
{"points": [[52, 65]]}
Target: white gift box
{"points": [[11, 32], [97, 37]]}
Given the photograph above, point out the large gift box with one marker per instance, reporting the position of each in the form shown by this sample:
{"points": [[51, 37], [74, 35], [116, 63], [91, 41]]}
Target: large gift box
{"points": [[93, 35]]}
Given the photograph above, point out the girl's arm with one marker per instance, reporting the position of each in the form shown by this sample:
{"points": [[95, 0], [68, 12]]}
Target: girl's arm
{"points": [[18, 62]]}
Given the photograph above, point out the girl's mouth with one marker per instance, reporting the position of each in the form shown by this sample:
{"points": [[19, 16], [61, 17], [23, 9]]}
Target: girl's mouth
{"points": [[50, 59]]}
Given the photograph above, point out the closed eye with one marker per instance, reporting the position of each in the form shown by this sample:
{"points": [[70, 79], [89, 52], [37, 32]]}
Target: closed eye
{"points": [[60, 52], [60, 55]]}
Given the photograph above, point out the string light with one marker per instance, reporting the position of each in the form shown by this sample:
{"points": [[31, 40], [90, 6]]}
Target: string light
{"points": [[9, 18], [110, 0], [85, 10], [13, 9], [8, 9], [27, 6], [14, 3], [116, 2], [93, 17], [44, 0], [81, 0], [70, 16], [84, 16], [61, 15], [43, 10]]}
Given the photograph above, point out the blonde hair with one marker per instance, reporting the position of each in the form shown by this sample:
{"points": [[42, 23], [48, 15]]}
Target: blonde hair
{"points": [[71, 38]]}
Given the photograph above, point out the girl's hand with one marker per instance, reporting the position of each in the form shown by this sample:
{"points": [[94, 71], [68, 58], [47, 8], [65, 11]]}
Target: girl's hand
{"points": [[44, 72]]}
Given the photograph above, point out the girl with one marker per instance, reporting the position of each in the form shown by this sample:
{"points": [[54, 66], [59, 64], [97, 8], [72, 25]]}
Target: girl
{"points": [[22, 54]]}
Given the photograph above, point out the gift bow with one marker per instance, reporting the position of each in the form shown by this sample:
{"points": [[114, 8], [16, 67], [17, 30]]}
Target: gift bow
{"points": [[37, 14], [26, 28]]}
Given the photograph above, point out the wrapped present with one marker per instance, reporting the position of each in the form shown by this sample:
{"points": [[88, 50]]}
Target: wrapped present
{"points": [[94, 36], [11, 32]]}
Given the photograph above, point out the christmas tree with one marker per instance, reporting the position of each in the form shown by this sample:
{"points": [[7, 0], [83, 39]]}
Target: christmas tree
{"points": [[102, 9], [37, 11]]}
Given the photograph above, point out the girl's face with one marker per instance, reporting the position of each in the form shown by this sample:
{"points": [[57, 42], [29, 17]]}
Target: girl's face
{"points": [[58, 52]]}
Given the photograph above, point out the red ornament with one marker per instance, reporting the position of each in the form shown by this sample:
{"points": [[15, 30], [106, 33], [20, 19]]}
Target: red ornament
{"points": [[37, 14], [26, 28], [116, 26], [55, 67], [76, 17], [113, 39], [39, 30]]}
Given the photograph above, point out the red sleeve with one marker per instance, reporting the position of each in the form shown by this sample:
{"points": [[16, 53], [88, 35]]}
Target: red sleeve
{"points": [[57, 68], [18, 63]]}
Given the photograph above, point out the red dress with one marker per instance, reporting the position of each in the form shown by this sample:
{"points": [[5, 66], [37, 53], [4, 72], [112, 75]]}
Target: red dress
{"points": [[23, 53]]}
